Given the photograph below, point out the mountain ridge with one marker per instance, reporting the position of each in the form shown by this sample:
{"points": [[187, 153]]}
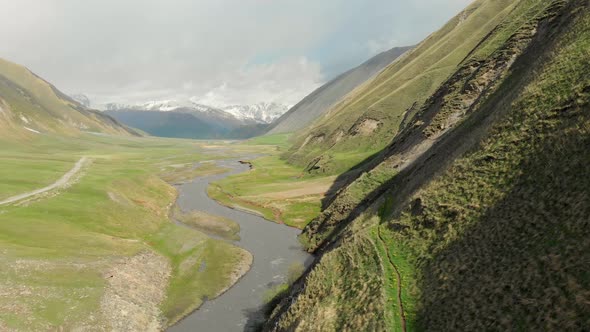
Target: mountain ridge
{"points": [[368, 119], [322, 99], [263, 112], [31, 105]]}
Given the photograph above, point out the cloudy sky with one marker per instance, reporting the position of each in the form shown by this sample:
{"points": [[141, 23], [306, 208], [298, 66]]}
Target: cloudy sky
{"points": [[219, 51]]}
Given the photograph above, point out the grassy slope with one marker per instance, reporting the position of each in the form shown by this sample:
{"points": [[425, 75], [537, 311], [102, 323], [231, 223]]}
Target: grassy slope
{"points": [[502, 236], [27, 100], [342, 292], [498, 240], [479, 76], [319, 101], [56, 249], [395, 93]]}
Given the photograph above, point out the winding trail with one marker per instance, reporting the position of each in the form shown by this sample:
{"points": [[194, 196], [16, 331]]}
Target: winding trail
{"points": [[399, 281], [62, 182]]}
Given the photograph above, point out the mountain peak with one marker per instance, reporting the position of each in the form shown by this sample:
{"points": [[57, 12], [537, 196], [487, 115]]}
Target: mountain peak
{"points": [[263, 112]]}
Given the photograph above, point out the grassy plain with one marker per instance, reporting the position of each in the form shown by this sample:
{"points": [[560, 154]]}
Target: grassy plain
{"points": [[59, 250]]}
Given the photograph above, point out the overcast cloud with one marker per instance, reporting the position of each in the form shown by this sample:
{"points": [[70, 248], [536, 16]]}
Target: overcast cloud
{"points": [[219, 51]]}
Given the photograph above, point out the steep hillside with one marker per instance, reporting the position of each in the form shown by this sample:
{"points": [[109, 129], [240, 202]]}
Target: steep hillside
{"points": [[475, 217], [320, 101], [367, 120], [29, 105]]}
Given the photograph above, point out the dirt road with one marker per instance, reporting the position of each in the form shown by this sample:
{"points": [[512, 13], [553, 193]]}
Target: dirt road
{"points": [[62, 182]]}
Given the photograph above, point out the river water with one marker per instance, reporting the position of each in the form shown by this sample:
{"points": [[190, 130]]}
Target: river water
{"points": [[274, 247]]}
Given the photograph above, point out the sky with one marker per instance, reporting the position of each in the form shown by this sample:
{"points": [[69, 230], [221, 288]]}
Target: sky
{"points": [[218, 52]]}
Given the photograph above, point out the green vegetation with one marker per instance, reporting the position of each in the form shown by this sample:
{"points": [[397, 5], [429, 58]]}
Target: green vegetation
{"points": [[342, 292], [389, 249], [280, 140], [368, 119], [500, 235], [61, 251], [209, 224], [479, 204], [273, 189], [28, 101], [202, 268]]}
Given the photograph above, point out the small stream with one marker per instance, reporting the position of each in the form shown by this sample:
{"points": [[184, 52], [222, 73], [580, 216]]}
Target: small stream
{"points": [[274, 247]]}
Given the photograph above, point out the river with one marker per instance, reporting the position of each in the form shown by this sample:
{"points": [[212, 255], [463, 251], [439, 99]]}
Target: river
{"points": [[274, 247]]}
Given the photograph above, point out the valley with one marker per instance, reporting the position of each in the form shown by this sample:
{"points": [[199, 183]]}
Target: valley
{"points": [[124, 221], [197, 121], [437, 187]]}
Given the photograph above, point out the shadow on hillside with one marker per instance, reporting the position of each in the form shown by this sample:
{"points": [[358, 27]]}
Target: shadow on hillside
{"points": [[346, 178], [457, 141], [524, 264], [464, 136]]}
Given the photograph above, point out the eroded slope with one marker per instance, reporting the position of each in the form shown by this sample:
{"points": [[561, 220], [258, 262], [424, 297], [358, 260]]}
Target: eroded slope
{"points": [[480, 202]]}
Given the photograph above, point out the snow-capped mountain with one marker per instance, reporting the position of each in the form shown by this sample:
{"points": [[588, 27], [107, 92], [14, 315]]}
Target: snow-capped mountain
{"points": [[261, 112], [156, 105]]}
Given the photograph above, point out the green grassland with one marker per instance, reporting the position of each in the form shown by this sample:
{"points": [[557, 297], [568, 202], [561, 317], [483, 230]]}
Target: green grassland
{"points": [[202, 268], [57, 248], [280, 140], [273, 188], [209, 224]]}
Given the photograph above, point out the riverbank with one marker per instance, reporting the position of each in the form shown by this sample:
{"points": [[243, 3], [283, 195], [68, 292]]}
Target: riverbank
{"points": [[274, 248]]}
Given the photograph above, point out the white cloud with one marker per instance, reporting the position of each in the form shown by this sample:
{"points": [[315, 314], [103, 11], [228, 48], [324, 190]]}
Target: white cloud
{"points": [[286, 81], [137, 50]]}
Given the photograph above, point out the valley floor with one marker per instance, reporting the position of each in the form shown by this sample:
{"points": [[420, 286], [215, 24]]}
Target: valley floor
{"points": [[95, 248], [275, 189]]}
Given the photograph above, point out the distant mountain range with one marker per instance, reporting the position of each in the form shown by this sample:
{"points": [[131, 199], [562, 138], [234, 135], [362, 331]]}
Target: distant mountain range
{"points": [[192, 119], [260, 113], [189, 119]]}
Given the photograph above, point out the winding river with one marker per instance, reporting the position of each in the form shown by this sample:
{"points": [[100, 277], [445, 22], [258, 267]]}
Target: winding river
{"points": [[274, 247]]}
